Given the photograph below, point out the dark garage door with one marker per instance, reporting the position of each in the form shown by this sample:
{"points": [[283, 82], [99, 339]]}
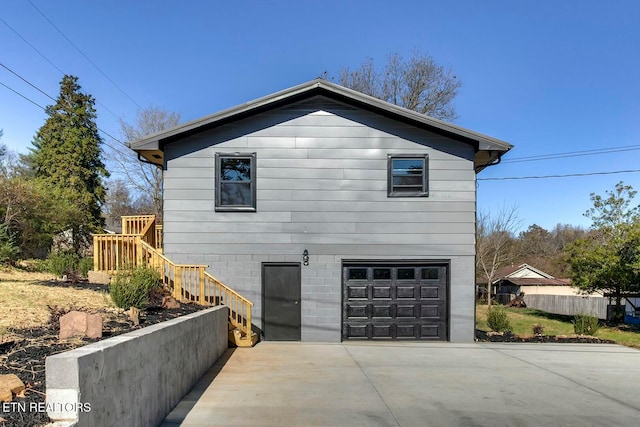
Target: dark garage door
{"points": [[395, 301]]}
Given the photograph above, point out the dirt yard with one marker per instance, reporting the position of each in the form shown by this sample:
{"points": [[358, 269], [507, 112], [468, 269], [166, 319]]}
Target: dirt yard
{"points": [[30, 307]]}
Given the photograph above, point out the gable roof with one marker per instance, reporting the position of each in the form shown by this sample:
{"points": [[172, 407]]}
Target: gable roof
{"points": [[488, 150], [522, 271]]}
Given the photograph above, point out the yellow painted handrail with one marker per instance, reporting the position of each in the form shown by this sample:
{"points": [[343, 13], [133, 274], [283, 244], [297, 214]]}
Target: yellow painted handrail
{"points": [[191, 282], [188, 282], [134, 224]]}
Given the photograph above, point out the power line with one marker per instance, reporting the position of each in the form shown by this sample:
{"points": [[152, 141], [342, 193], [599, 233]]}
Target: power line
{"points": [[32, 46], [573, 154], [21, 95], [27, 82], [84, 55], [43, 108], [559, 176], [50, 62]]}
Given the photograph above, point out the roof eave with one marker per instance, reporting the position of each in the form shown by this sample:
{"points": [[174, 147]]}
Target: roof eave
{"points": [[491, 148]]}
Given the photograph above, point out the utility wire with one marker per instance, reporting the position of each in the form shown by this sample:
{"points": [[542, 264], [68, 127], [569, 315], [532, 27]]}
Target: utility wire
{"points": [[50, 62], [559, 176], [84, 55], [573, 154], [43, 108], [21, 95], [32, 46], [27, 82]]}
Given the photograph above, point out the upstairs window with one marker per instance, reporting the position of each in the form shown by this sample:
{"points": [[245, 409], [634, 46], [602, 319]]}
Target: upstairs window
{"points": [[408, 175], [236, 182]]}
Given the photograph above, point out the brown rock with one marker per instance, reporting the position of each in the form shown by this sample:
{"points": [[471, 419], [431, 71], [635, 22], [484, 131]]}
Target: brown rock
{"points": [[94, 326], [170, 302], [134, 315], [12, 384], [79, 324], [5, 395]]}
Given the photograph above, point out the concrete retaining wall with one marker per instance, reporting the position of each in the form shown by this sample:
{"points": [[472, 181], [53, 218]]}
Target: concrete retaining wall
{"points": [[135, 379]]}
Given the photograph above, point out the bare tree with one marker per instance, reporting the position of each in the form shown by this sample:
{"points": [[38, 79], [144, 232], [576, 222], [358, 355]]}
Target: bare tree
{"points": [[145, 180], [419, 84], [494, 236]]}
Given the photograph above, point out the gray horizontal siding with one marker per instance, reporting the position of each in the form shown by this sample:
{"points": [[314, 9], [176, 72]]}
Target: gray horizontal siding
{"points": [[351, 250], [321, 184]]}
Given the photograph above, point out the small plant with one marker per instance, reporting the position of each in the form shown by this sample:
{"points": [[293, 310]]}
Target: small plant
{"points": [[538, 329], [69, 264], [584, 324], [498, 320], [63, 263], [85, 265], [8, 249], [131, 287]]}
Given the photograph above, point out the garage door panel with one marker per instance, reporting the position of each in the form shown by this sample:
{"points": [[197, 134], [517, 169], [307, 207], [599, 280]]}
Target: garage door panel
{"points": [[382, 292], [395, 301], [381, 311], [406, 331], [354, 292], [429, 331], [357, 311], [406, 311], [429, 292], [430, 312], [404, 292], [382, 331]]}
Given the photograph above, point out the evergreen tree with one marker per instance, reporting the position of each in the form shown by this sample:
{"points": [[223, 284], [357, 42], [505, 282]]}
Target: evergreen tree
{"points": [[66, 158]]}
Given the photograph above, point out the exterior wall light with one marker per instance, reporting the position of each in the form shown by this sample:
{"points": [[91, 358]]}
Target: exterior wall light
{"points": [[305, 257]]}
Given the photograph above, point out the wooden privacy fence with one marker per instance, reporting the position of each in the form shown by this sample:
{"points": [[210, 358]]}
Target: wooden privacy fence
{"points": [[188, 282], [569, 305]]}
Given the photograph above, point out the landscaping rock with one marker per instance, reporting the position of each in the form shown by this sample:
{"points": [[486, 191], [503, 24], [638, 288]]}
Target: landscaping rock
{"points": [[134, 315], [99, 277], [5, 395], [80, 324], [10, 384], [170, 302]]}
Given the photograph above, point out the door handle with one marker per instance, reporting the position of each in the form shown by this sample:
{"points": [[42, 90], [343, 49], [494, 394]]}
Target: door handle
{"points": [[296, 302]]}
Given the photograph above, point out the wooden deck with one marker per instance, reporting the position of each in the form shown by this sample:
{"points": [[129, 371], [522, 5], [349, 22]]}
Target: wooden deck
{"points": [[141, 244]]}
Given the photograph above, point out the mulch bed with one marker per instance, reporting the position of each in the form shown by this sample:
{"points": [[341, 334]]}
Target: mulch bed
{"points": [[509, 337], [25, 353]]}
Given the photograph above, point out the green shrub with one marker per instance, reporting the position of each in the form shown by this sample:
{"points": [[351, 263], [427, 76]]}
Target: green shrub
{"points": [[61, 263], [584, 324], [85, 265], [68, 263], [8, 249], [131, 288], [498, 320], [537, 329], [35, 265]]}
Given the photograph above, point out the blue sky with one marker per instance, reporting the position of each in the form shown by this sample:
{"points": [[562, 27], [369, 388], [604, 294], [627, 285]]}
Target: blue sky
{"points": [[547, 76]]}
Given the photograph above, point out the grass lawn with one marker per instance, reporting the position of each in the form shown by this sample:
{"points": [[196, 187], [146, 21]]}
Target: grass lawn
{"points": [[523, 319], [24, 298]]}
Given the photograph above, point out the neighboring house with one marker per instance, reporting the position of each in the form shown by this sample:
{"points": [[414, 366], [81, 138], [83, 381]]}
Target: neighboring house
{"points": [[531, 281], [339, 215]]}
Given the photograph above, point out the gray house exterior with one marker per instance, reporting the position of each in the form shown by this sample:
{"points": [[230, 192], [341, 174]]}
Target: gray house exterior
{"points": [[338, 215]]}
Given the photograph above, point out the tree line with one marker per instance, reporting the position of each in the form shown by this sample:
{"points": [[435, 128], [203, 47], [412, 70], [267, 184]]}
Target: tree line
{"points": [[604, 258]]}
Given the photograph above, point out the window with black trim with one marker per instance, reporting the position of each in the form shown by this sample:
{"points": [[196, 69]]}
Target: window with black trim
{"points": [[408, 175], [236, 182]]}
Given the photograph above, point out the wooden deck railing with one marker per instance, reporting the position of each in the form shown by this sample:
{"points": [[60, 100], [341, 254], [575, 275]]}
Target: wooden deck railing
{"points": [[188, 282], [135, 224]]}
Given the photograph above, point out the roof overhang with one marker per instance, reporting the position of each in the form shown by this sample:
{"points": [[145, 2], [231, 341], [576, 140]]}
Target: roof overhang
{"points": [[488, 150]]}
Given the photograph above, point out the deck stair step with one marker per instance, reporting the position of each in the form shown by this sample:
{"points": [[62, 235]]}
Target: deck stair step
{"points": [[141, 244]]}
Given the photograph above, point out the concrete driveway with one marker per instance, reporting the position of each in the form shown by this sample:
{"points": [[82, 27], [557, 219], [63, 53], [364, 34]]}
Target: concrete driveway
{"points": [[417, 384]]}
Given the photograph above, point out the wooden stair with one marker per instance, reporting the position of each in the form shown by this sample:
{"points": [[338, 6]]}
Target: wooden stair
{"points": [[140, 244]]}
